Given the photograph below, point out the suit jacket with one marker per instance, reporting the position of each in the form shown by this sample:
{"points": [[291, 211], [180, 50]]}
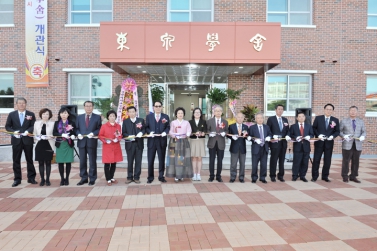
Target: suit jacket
{"points": [[273, 124], [303, 145], [254, 132], [94, 127], [150, 126], [211, 127], [49, 131], [13, 124], [238, 145], [56, 132], [202, 127], [319, 127], [127, 130], [347, 129]]}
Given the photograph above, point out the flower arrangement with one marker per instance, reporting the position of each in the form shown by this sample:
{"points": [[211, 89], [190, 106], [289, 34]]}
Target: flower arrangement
{"points": [[139, 125], [68, 128], [333, 124], [117, 133], [222, 126], [28, 117], [164, 121]]}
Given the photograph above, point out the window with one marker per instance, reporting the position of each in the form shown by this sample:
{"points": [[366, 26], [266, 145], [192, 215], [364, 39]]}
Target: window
{"points": [[6, 12], [6, 90], [292, 91], [83, 87], [372, 13], [90, 11], [190, 10], [371, 95], [290, 12]]}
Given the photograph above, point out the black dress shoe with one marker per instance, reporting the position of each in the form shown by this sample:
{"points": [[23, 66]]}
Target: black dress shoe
{"points": [[253, 181], [273, 179], [32, 181], [231, 181], [263, 181], [304, 179], [16, 183], [210, 179], [162, 180], [313, 180], [294, 179], [149, 181], [345, 180], [91, 183], [42, 183], [48, 183], [355, 180], [66, 182], [62, 182], [242, 181], [326, 179], [219, 180], [82, 182], [282, 180]]}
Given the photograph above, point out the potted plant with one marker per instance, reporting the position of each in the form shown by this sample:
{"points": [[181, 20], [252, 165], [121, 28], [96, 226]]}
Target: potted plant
{"points": [[157, 93], [249, 111], [217, 97]]}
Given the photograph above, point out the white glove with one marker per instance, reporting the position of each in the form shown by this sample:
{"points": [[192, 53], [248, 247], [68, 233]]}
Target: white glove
{"points": [[17, 136], [267, 139], [16, 132], [115, 140], [178, 137], [139, 135], [163, 134], [275, 137], [307, 137], [25, 133], [44, 137], [258, 141], [151, 134], [80, 136], [299, 138], [108, 141], [188, 134], [222, 134], [330, 138], [234, 137], [38, 138], [90, 135], [249, 138], [212, 134], [321, 137], [65, 135], [361, 138], [347, 137], [73, 137], [287, 138]]}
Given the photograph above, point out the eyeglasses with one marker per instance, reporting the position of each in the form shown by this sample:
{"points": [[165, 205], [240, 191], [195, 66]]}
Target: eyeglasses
{"points": [[157, 106]]}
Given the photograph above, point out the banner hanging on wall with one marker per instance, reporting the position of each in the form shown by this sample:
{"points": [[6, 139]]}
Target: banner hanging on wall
{"points": [[128, 97], [36, 64]]}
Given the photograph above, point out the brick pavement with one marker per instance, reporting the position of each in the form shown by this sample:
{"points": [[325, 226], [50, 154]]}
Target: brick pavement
{"points": [[190, 215]]}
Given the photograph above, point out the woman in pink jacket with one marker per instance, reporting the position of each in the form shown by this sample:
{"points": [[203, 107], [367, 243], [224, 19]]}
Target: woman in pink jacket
{"points": [[110, 135]]}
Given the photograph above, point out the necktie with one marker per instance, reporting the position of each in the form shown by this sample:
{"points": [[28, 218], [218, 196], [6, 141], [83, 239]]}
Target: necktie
{"points": [[239, 130], [218, 125], [87, 121], [327, 123], [354, 124], [261, 135], [280, 124], [302, 130], [21, 118], [157, 117]]}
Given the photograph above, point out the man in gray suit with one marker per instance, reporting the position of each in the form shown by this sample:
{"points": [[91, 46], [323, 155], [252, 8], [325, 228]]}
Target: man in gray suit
{"points": [[352, 130], [217, 128], [88, 124]]}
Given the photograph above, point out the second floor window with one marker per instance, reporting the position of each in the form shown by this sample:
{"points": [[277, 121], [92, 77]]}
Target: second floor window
{"points": [[6, 12], [90, 11], [6, 90], [290, 12], [190, 10], [372, 13]]}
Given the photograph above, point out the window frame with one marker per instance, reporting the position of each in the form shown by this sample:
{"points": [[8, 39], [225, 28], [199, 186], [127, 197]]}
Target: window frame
{"points": [[169, 11], [288, 74], [8, 11], [3, 72], [371, 15], [90, 97], [372, 74], [90, 11], [288, 12]]}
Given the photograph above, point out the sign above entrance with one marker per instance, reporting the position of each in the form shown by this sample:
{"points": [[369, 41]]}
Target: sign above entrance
{"points": [[209, 43]]}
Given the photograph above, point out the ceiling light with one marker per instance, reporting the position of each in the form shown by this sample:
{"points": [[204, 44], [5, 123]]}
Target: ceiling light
{"points": [[218, 77], [144, 71], [241, 67], [192, 66], [236, 72], [159, 77], [138, 66]]}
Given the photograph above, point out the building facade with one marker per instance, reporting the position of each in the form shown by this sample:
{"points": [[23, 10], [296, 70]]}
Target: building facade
{"points": [[328, 55]]}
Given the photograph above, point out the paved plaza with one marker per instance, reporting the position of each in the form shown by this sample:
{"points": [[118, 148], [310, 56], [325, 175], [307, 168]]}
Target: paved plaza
{"points": [[190, 215]]}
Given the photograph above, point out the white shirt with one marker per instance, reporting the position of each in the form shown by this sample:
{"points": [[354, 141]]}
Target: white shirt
{"points": [[197, 122], [303, 125], [133, 120], [327, 118], [19, 113], [218, 121], [159, 116]]}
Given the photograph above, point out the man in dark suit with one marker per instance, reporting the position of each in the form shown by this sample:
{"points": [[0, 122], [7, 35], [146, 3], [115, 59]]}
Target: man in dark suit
{"points": [[259, 149], [217, 128], [133, 127], [157, 123], [238, 148], [280, 129], [88, 124], [21, 123], [326, 128], [301, 132]]}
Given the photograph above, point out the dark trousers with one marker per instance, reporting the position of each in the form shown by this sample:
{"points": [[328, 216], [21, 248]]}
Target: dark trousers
{"points": [[42, 165], [327, 154], [17, 152], [234, 158], [260, 157], [109, 169], [300, 164], [352, 155], [277, 154], [134, 154], [161, 151], [67, 170], [84, 153], [212, 155]]}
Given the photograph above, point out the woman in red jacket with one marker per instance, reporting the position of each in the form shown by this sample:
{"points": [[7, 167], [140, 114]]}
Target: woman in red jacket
{"points": [[110, 135]]}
